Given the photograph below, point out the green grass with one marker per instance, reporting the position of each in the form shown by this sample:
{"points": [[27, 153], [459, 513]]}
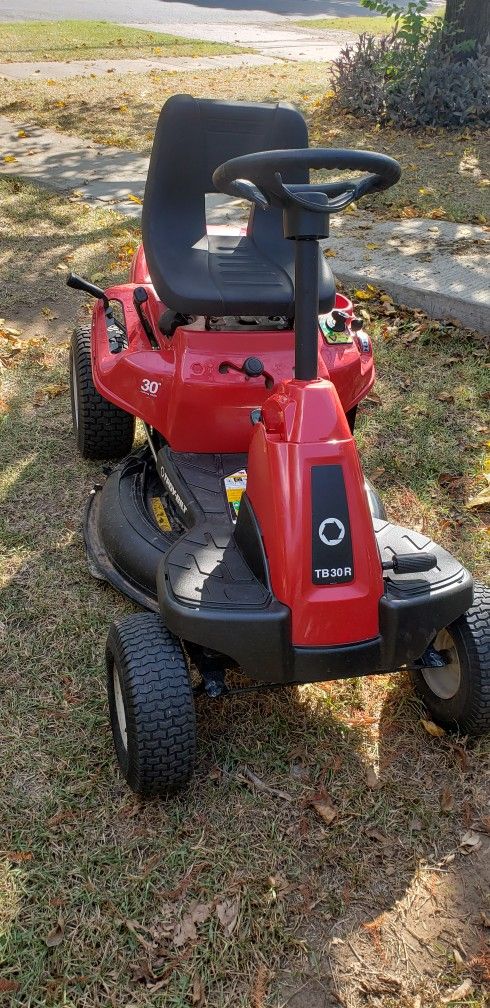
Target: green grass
{"points": [[80, 853], [68, 40], [377, 25]]}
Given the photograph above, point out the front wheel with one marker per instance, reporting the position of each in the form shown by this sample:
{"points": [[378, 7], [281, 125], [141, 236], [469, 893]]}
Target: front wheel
{"points": [[151, 705], [457, 694]]}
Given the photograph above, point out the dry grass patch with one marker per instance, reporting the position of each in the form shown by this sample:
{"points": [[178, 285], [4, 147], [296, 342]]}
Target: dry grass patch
{"points": [[33, 41], [445, 174], [99, 886]]}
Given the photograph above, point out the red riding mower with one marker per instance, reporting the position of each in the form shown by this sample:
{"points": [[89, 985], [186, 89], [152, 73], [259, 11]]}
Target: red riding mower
{"points": [[245, 525]]}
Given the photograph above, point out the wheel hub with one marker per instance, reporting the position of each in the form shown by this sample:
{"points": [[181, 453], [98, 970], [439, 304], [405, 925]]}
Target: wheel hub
{"points": [[120, 712], [444, 680]]}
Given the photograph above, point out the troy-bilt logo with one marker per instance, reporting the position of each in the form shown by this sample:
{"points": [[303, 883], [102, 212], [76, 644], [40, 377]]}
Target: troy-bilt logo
{"points": [[150, 387], [172, 491], [331, 531]]}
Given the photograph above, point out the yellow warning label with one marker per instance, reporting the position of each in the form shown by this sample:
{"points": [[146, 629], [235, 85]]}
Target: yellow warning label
{"points": [[235, 484], [161, 516]]}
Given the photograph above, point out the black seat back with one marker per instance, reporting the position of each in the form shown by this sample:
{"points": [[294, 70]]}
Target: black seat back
{"points": [[194, 136]]}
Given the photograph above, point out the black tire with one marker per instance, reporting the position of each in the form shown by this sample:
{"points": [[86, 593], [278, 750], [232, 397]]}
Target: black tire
{"points": [[468, 709], [158, 755], [102, 430], [375, 502]]}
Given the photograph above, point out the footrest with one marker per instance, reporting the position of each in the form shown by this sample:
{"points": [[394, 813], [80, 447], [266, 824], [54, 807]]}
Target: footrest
{"points": [[206, 568]]}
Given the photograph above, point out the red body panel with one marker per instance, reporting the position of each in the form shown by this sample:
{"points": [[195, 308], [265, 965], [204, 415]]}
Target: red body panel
{"points": [[179, 389], [304, 425]]}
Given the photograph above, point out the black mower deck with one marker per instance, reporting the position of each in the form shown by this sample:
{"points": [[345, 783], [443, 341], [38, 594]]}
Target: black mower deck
{"points": [[171, 545]]}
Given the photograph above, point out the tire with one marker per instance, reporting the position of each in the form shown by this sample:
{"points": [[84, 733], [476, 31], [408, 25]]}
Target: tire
{"points": [[375, 502], [151, 705], [102, 430], [466, 707]]}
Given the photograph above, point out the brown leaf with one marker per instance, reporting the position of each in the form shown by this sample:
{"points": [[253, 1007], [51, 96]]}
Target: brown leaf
{"points": [[17, 857], [227, 912], [470, 842], [197, 992], [432, 729], [458, 993], [482, 499], [445, 397], [372, 779], [324, 809], [260, 984], [446, 800], [485, 919], [185, 932], [49, 392], [8, 986], [56, 935]]}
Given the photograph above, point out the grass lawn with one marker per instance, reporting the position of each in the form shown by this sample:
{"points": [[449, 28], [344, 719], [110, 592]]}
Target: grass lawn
{"points": [[377, 25], [93, 883], [443, 172], [67, 40]]}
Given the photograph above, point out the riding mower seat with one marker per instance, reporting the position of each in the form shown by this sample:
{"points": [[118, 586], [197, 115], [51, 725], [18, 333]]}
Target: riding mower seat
{"points": [[211, 274]]}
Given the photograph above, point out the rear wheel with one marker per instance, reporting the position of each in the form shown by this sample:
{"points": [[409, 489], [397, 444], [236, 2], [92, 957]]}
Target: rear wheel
{"points": [[151, 705], [457, 694], [102, 430]]}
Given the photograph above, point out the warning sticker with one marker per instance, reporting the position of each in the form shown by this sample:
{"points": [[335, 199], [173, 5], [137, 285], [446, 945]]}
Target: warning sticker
{"points": [[160, 514], [235, 484], [329, 335]]}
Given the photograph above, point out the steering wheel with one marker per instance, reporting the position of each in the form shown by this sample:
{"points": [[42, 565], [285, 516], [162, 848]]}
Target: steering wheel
{"points": [[258, 178]]}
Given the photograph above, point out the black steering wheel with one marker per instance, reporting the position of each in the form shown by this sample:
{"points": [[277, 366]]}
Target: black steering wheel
{"points": [[257, 177]]}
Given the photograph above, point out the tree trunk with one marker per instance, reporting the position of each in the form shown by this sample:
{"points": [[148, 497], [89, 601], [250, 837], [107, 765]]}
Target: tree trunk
{"points": [[471, 18]]}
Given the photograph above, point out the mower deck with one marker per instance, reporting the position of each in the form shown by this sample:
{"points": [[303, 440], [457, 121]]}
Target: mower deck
{"points": [[184, 556]]}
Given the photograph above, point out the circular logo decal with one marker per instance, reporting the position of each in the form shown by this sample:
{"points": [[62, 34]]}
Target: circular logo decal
{"points": [[331, 531]]}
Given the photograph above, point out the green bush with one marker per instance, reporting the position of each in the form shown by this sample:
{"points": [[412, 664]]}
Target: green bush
{"points": [[420, 75]]}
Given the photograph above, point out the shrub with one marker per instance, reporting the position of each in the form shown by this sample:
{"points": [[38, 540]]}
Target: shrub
{"points": [[420, 75]]}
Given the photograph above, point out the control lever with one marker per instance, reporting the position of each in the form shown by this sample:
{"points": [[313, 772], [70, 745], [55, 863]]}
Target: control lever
{"points": [[140, 297], [252, 367], [410, 563], [78, 283]]}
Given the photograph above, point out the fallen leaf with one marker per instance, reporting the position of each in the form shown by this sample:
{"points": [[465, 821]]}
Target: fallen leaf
{"points": [[55, 937], [372, 245], [445, 397], [329, 253], [197, 992], [432, 729], [9, 158], [324, 809], [227, 912], [49, 392], [259, 987], [372, 779], [8, 986], [470, 842], [458, 958], [17, 857], [481, 499], [134, 199], [363, 295], [446, 800], [485, 919], [458, 993], [21, 134], [186, 930]]}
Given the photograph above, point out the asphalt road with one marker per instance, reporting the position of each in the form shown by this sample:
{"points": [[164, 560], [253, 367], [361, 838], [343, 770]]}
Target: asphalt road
{"points": [[154, 11]]}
